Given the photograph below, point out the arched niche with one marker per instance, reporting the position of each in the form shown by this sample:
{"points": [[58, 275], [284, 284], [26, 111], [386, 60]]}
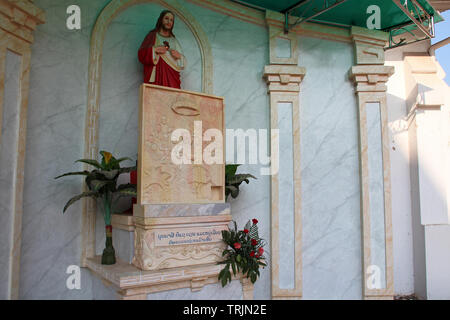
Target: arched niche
{"points": [[108, 14]]}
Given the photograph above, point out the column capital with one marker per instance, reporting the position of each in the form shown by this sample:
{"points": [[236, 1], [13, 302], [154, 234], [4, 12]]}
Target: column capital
{"points": [[371, 78], [284, 78], [21, 18], [369, 45]]}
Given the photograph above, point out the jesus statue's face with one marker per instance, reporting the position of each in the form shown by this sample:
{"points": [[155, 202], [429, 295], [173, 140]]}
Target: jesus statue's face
{"points": [[167, 23]]}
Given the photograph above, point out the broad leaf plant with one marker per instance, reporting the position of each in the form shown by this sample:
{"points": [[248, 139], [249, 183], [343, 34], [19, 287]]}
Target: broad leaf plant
{"points": [[102, 185]]}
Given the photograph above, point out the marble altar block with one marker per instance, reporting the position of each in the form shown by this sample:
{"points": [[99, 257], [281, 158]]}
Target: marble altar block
{"points": [[181, 210]]}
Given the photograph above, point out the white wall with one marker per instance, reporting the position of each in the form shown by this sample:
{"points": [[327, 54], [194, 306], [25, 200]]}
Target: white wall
{"points": [[400, 175], [437, 240], [419, 172]]}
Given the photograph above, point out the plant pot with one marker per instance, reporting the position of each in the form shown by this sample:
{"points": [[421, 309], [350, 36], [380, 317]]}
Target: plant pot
{"points": [[109, 254]]}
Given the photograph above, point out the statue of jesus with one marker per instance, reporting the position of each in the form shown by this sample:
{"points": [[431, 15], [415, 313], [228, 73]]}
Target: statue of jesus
{"points": [[161, 54]]}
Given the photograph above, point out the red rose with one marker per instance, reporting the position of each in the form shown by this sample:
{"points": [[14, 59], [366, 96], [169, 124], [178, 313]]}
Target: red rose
{"points": [[260, 251], [254, 242], [255, 221], [252, 254], [237, 245], [245, 230]]}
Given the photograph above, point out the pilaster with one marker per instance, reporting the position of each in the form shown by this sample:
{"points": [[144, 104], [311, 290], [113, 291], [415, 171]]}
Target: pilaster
{"points": [[18, 20], [283, 77], [370, 76]]}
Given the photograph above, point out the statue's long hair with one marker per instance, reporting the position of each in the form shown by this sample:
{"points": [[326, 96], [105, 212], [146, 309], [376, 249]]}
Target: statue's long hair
{"points": [[159, 23]]}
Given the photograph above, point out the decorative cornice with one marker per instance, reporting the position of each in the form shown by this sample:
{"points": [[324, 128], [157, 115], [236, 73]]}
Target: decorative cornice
{"points": [[284, 78], [27, 7], [232, 9], [20, 18], [369, 36], [274, 19], [370, 78]]}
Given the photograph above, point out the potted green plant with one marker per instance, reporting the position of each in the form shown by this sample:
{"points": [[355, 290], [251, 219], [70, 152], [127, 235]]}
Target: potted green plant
{"points": [[233, 180], [102, 185], [244, 252]]}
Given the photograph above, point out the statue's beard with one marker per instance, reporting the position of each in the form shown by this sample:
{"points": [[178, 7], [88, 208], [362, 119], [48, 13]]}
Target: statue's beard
{"points": [[166, 29]]}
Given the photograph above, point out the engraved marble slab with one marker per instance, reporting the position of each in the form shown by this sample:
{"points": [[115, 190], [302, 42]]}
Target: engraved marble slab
{"points": [[184, 236]]}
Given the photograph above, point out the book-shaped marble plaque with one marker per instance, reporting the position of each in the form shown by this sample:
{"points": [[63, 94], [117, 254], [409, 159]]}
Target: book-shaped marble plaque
{"points": [[181, 136]]}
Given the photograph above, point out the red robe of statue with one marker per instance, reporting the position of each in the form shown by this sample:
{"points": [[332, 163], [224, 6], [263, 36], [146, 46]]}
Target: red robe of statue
{"points": [[166, 73]]}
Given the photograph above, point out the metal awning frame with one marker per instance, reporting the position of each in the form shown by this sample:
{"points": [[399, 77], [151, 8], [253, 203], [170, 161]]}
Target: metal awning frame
{"points": [[402, 42], [424, 22], [417, 15], [303, 17]]}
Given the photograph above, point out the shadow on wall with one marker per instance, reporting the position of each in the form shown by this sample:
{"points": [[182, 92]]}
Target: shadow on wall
{"points": [[406, 150]]}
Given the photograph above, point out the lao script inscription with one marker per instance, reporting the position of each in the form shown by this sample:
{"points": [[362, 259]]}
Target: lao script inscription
{"points": [[188, 236]]}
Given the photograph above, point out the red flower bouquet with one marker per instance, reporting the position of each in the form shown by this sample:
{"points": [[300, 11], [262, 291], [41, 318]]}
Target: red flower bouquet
{"points": [[243, 254]]}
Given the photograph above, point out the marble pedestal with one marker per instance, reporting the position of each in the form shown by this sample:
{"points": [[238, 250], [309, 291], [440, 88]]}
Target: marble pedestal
{"points": [[192, 274], [178, 235]]}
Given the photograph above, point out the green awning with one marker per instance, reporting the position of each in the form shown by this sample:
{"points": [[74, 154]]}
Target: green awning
{"points": [[349, 12]]}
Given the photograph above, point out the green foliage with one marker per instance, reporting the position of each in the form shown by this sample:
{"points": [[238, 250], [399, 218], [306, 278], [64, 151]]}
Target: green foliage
{"points": [[244, 252], [102, 181], [233, 180], [93, 194]]}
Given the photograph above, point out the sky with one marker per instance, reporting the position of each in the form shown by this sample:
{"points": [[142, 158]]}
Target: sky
{"points": [[443, 54]]}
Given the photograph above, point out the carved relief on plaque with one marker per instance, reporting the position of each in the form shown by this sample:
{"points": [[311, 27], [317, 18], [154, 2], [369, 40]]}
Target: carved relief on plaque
{"points": [[158, 144], [201, 182], [170, 257], [163, 111], [157, 181], [142, 249], [186, 108]]}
